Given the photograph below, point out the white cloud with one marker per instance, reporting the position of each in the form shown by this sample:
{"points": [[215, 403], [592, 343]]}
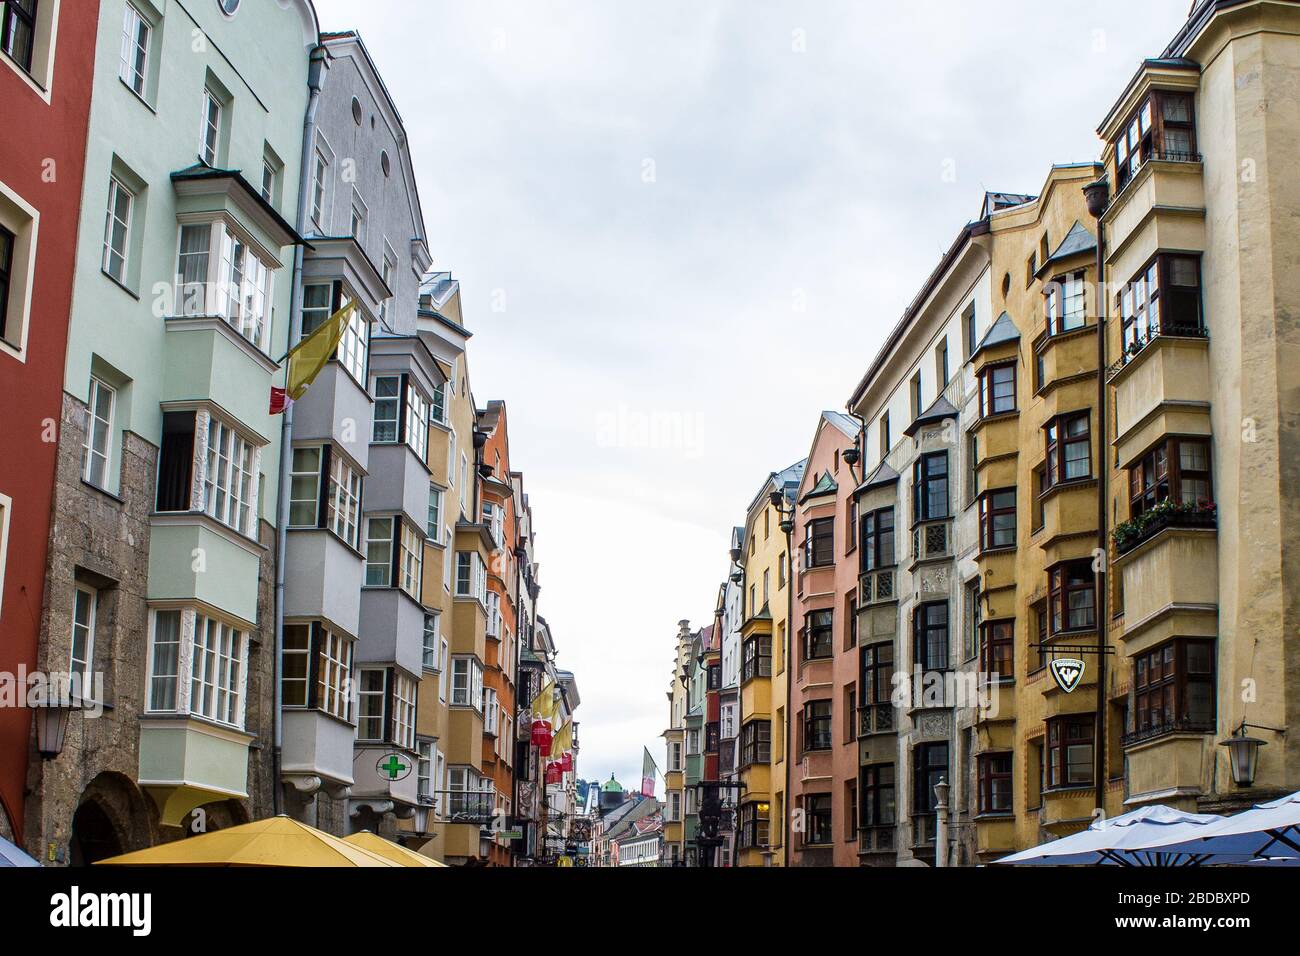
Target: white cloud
{"points": [[777, 173]]}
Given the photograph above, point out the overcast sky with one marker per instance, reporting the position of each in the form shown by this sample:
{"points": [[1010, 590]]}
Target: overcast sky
{"points": [[684, 228]]}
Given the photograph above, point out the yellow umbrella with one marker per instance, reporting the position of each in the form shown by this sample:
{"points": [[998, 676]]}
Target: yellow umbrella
{"points": [[277, 841], [390, 850]]}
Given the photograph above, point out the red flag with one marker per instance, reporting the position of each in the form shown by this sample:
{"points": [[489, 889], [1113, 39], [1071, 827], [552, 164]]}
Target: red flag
{"points": [[647, 774], [566, 761], [554, 773], [542, 735], [280, 401]]}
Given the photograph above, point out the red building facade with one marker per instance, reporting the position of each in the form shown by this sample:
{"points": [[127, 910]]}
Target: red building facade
{"points": [[47, 53]]}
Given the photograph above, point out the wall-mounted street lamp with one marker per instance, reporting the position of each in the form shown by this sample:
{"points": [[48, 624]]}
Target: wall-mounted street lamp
{"points": [[52, 727], [1243, 753], [787, 517]]}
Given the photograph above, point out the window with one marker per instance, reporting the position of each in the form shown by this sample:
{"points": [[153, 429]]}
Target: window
{"points": [[767, 586], [1040, 368], [1163, 127], [228, 482], [320, 182], [1069, 449], [372, 691], [780, 570], [972, 611], [757, 658], [1163, 299], [332, 667], [878, 796], [217, 671], [1174, 688], [117, 227], [7, 240], [1072, 593], [1070, 750], [438, 409], [192, 264], [165, 661], [357, 224], [930, 486], [817, 731], [930, 636], [403, 711], [434, 526], [268, 181], [18, 31], [819, 631], [1066, 304], [941, 363], [878, 540], [998, 648], [674, 806], [96, 452], [444, 649], [817, 819], [968, 330], [412, 560], [344, 500], [304, 487], [997, 389], [755, 742], [354, 346], [819, 544], [244, 288], [914, 390], [82, 661], [134, 65], [239, 290], [998, 519], [675, 755], [972, 468], [424, 786], [388, 400], [886, 443], [379, 552], [929, 766], [877, 683], [210, 132], [851, 526], [995, 783], [466, 682], [471, 576], [1176, 470]]}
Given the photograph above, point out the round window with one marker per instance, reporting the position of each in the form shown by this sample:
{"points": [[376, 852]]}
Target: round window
{"points": [[356, 110], [384, 163], [228, 7]]}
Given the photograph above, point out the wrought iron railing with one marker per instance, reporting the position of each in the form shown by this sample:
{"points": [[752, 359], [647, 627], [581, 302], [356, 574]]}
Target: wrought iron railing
{"points": [[1137, 345], [464, 806], [1180, 726], [1130, 534]]}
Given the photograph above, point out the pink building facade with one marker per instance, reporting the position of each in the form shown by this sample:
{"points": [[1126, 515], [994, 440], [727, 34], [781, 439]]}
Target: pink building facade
{"points": [[823, 691]]}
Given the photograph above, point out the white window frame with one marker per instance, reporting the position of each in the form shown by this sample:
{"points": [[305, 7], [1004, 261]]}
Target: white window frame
{"points": [[403, 704], [117, 189], [358, 215], [80, 668], [411, 564], [336, 674], [296, 472], [384, 401], [219, 652], [210, 128], [343, 512], [491, 711], [467, 683], [231, 469], [89, 451], [354, 346], [417, 420], [374, 542], [320, 188], [443, 674], [432, 639], [366, 697], [6, 510], [133, 65], [434, 523]]}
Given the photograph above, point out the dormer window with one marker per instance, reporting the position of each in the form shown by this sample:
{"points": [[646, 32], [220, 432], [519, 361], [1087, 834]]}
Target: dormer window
{"points": [[1163, 127]]}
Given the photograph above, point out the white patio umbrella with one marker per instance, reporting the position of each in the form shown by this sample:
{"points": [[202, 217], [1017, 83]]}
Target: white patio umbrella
{"points": [[1121, 841], [10, 855], [1268, 830]]}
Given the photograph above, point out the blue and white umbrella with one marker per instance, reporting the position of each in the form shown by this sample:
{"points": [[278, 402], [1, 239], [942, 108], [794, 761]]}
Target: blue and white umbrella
{"points": [[1266, 831], [10, 855], [1122, 841]]}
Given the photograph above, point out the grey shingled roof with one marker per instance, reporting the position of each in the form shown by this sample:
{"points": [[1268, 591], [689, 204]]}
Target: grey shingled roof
{"points": [[1003, 330], [941, 409], [883, 475], [1079, 240]]}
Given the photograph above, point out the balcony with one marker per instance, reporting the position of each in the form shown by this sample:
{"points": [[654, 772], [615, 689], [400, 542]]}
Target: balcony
{"points": [[1139, 343], [875, 719], [463, 806], [186, 762], [1136, 531], [1182, 726]]}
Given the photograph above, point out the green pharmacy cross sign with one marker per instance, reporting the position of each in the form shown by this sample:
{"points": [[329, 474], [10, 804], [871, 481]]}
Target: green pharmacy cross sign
{"points": [[394, 767]]}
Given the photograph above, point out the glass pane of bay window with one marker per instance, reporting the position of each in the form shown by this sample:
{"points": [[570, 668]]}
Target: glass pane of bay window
{"points": [[228, 484], [192, 270], [164, 669]]}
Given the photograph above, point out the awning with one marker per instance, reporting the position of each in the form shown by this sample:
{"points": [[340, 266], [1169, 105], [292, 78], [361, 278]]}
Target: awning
{"points": [[390, 850], [1122, 841], [278, 841]]}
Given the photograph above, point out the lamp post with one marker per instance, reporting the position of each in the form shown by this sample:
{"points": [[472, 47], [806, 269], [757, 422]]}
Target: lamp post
{"points": [[1243, 753], [941, 823]]}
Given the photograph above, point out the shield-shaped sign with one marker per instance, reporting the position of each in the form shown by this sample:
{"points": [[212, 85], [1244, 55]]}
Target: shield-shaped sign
{"points": [[1067, 672]]}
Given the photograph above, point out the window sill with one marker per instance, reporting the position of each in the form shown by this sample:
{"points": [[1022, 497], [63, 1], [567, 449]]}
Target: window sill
{"points": [[1012, 415], [1071, 484], [119, 283], [103, 491], [137, 96], [994, 816], [1072, 789]]}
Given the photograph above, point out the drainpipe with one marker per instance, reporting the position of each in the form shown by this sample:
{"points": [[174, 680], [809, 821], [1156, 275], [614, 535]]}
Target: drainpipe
{"points": [[315, 81], [1098, 199], [789, 682]]}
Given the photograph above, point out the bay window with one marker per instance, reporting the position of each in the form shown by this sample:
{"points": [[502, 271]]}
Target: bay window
{"points": [[387, 391], [756, 660], [1163, 127], [1069, 448], [1066, 304], [1162, 299], [997, 389], [401, 413], [930, 487], [819, 629], [998, 648], [379, 552], [344, 499], [876, 688], [1174, 688], [1072, 592], [995, 783], [198, 666], [1176, 470], [930, 636], [411, 560], [1070, 760], [998, 519], [819, 543], [756, 742], [817, 733], [432, 640], [878, 804], [316, 669], [320, 300], [394, 555], [223, 468], [236, 284], [817, 819], [878, 540], [467, 682], [471, 576]]}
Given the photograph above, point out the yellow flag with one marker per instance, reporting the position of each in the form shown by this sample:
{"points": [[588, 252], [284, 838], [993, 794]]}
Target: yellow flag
{"points": [[309, 356], [543, 705], [563, 741]]}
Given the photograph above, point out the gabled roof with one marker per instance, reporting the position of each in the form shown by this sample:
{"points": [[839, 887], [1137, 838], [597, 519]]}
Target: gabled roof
{"points": [[202, 171], [844, 423], [1002, 331], [883, 475], [1076, 242], [940, 410], [826, 485], [995, 201]]}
